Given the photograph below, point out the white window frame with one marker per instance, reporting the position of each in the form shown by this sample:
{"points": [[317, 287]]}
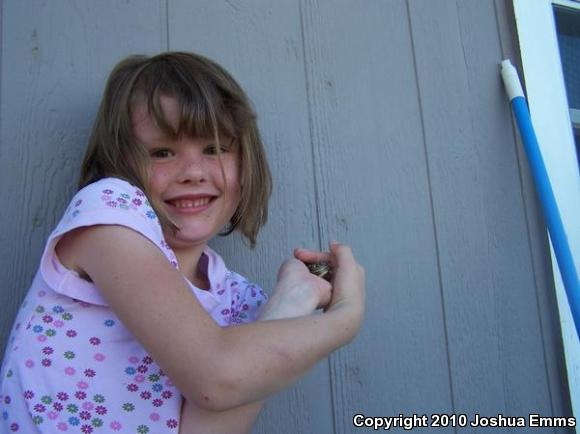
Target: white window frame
{"points": [[546, 94]]}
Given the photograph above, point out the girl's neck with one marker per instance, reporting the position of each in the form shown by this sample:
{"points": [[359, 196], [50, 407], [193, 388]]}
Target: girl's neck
{"points": [[192, 266]]}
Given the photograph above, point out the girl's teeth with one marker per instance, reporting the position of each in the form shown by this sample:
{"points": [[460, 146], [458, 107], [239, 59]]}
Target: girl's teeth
{"points": [[191, 203]]}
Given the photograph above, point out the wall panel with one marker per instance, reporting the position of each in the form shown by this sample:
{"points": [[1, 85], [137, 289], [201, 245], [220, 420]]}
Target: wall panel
{"points": [[55, 60], [260, 43], [374, 194]]}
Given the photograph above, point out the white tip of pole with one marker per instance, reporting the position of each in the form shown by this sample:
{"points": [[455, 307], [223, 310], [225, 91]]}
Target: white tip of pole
{"points": [[511, 80]]}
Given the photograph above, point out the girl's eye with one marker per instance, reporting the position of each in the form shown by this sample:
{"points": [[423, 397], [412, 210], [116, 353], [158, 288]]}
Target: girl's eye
{"points": [[161, 153], [213, 149]]}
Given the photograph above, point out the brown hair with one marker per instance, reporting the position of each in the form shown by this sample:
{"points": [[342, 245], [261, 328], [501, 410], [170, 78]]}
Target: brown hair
{"points": [[211, 104]]}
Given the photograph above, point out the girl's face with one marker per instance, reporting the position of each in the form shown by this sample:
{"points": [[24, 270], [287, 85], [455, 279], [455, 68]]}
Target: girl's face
{"points": [[187, 179]]}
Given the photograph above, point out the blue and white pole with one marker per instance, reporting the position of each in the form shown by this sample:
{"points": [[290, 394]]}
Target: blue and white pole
{"points": [[547, 198]]}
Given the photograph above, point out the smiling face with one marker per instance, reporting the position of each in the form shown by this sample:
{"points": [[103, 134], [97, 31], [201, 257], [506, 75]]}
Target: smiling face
{"points": [[198, 187]]}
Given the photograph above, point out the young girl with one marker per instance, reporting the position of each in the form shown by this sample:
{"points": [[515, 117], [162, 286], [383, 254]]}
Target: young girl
{"points": [[126, 325]]}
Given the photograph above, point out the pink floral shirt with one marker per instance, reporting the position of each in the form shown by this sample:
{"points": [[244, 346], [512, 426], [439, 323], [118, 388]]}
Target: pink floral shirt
{"points": [[70, 364]]}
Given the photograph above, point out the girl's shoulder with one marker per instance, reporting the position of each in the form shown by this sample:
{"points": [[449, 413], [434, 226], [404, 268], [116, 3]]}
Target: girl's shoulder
{"points": [[110, 194], [111, 201]]}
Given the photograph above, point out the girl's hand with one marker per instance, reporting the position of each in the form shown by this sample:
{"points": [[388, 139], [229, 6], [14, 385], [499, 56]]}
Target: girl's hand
{"points": [[348, 279], [297, 293]]}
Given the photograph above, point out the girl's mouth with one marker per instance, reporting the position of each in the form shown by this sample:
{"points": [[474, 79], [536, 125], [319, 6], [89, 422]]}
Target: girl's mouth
{"points": [[191, 205]]}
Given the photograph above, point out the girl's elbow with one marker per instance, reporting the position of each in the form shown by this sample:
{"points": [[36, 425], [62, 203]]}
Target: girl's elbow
{"points": [[221, 384], [218, 394], [215, 402], [210, 401]]}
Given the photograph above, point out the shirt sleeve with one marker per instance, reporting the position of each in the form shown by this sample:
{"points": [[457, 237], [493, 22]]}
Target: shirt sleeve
{"points": [[247, 301], [109, 201]]}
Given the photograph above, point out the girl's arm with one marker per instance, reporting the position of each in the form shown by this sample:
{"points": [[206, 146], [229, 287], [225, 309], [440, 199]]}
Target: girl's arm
{"points": [[216, 368], [297, 293]]}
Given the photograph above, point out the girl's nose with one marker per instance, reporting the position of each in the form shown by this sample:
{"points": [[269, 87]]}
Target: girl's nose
{"points": [[193, 168]]}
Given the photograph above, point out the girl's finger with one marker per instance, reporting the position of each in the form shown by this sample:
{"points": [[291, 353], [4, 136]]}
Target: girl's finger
{"points": [[343, 255], [311, 256]]}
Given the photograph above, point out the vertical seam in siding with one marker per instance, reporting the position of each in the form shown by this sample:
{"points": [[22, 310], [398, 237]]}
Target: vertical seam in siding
{"points": [[167, 42], [314, 180], [310, 126], [501, 46], [439, 278], [528, 230]]}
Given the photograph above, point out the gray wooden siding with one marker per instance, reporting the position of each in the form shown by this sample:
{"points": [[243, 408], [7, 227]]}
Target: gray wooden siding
{"points": [[386, 126]]}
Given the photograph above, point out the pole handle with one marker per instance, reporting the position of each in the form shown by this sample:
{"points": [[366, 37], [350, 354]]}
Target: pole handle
{"points": [[511, 80]]}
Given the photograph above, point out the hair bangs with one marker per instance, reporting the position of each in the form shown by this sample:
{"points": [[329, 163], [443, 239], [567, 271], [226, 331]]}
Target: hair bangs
{"points": [[204, 109]]}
